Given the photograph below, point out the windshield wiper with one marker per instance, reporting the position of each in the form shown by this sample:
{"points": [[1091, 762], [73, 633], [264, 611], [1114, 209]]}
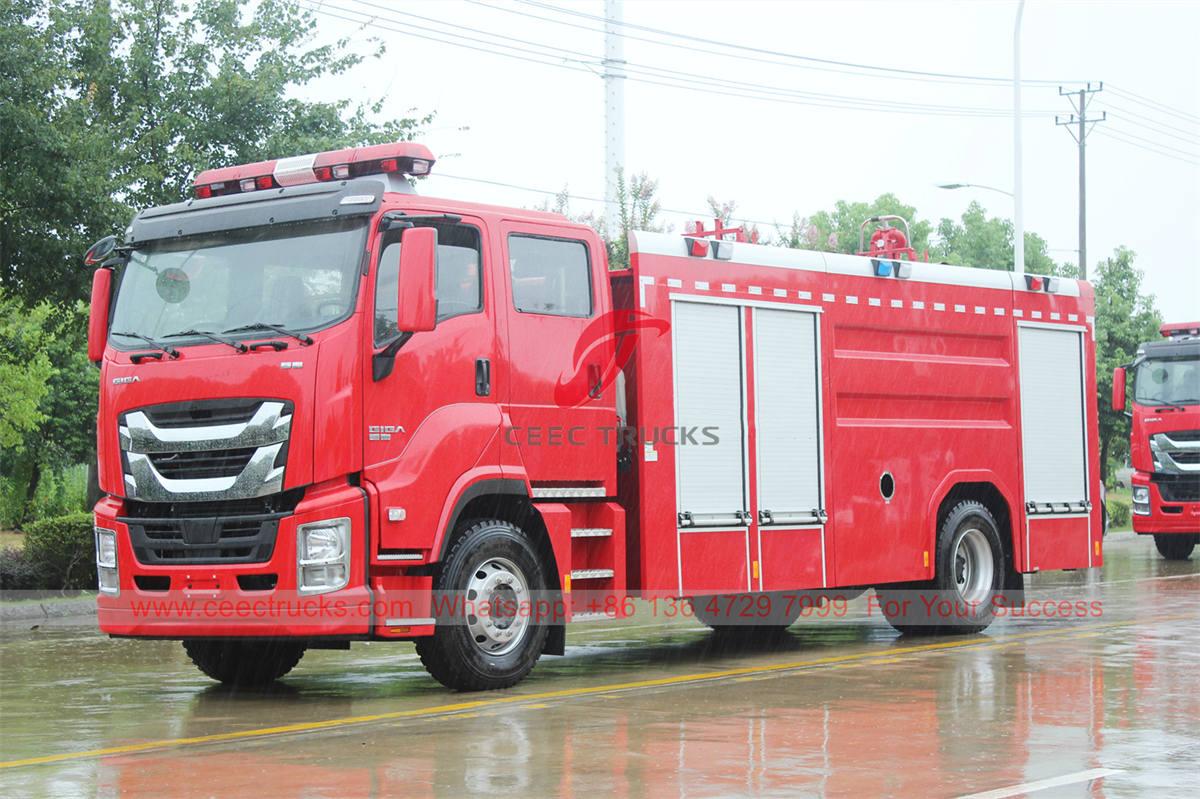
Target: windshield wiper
{"points": [[167, 348], [283, 331], [237, 345]]}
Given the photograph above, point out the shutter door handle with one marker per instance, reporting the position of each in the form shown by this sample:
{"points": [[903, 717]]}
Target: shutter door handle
{"points": [[483, 377]]}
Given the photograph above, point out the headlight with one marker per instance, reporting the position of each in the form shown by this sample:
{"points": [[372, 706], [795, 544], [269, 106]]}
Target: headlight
{"points": [[1141, 500], [323, 555], [106, 560]]}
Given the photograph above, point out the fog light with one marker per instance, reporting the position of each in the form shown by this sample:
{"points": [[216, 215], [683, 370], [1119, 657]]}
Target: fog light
{"points": [[323, 555], [106, 560], [1141, 500]]}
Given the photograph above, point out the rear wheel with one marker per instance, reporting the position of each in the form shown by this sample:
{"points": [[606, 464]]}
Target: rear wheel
{"points": [[969, 572], [1174, 547], [244, 663], [491, 566]]}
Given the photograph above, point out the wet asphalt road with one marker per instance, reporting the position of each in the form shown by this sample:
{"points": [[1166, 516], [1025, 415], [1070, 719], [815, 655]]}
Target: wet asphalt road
{"points": [[1100, 706]]}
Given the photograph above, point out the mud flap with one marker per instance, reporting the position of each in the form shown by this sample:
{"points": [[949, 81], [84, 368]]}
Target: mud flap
{"points": [[556, 640]]}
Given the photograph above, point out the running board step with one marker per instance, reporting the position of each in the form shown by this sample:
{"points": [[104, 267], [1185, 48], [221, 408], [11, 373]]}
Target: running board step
{"points": [[591, 532], [591, 617], [591, 574]]}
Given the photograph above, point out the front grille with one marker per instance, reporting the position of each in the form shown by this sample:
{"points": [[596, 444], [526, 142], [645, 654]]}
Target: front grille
{"points": [[1189, 458], [1184, 435], [213, 539], [205, 450], [1178, 488], [199, 465], [202, 412]]}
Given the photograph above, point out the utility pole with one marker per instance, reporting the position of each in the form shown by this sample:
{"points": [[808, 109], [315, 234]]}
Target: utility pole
{"points": [[614, 109], [1083, 126]]}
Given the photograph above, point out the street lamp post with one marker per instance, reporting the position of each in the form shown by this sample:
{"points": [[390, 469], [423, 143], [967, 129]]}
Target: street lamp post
{"points": [[1018, 218], [974, 186]]}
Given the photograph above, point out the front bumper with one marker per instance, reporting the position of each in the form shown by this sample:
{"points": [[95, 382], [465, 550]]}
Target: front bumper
{"points": [[207, 600], [1165, 516]]}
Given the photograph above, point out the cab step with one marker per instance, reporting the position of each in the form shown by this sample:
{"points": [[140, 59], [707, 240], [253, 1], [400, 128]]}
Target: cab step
{"points": [[591, 532], [591, 574]]}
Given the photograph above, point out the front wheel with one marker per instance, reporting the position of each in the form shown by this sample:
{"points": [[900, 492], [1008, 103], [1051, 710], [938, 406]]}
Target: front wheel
{"points": [[490, 580], [969, 574], [1174, 547], [244, 663]]}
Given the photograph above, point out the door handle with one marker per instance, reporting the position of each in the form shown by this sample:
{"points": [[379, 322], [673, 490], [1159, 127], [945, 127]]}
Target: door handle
{"points": [[483, 377]]}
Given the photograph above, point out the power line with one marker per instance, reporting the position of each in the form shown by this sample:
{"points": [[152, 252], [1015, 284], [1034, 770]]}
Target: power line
{"points": [[584, 198], [1110, 134], [675, 79], [1161, 107], [794, 56], [1132, 118], [1159, 145]]}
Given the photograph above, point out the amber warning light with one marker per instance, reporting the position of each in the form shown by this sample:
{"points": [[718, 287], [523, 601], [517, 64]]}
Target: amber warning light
{"points": [[404, 158]]}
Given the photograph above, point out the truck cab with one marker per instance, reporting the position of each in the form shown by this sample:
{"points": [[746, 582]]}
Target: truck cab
{"points": [[1165, 437], [308, 386]]}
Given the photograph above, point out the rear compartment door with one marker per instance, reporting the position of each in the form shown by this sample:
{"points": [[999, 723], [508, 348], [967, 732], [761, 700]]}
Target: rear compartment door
{"points": [[1053, 430], [710, 414], [787, 417]]}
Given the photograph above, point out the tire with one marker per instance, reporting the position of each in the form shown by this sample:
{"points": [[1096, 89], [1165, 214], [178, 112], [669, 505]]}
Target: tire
{"points": [[489, 560], [1174, 546], [762, 613], [244, 663], [969, 572]]}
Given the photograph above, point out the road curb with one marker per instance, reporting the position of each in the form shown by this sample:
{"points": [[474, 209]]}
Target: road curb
{"points": [[50, 609]]}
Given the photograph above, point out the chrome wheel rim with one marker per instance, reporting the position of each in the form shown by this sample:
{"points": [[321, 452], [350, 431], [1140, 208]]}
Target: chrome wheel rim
{"points": [[497, 606], [974, 569]]}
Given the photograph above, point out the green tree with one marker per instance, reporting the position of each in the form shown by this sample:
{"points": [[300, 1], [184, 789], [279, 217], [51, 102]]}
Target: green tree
{"points": [[1125, 318], [838, 230], [25, 371], [987, 242], [116, 104]]}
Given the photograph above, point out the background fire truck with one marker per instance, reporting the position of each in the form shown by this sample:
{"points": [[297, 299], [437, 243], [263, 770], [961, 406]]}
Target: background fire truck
{"points": [[317, 385], [1164, 443]]}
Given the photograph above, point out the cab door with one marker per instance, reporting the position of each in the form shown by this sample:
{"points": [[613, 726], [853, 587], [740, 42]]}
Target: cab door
{"points": [[560, 346], [431, 415]]}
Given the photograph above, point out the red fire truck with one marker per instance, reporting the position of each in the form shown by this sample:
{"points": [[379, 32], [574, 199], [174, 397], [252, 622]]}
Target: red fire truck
{"points": [[1164, 443], [329, 404]]}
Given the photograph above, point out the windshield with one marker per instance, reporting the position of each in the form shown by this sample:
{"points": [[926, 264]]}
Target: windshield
{"points": [[300, 277], [1168, 381]]}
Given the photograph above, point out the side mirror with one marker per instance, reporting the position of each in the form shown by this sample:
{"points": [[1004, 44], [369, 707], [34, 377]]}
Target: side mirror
{"points": [[100, 251], [416, 309], [1118, 390], [98, 318]]}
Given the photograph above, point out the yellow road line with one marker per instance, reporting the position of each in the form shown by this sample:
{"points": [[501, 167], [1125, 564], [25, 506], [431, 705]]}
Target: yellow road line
{"points": [[833, 661]]}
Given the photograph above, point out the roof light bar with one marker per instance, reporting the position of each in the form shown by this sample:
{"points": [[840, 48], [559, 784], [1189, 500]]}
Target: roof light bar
{"points": [[405, 158]]}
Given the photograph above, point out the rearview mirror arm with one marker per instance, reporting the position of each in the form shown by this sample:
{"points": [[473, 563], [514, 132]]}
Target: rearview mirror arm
{"points": [[385, 360]]}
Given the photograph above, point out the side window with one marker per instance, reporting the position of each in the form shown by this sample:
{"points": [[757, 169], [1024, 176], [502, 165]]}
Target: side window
{"points": [[550, 276], [459, 281]]}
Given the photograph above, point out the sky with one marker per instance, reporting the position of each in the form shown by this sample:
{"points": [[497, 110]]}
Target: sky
{"points": [[519, 99]]}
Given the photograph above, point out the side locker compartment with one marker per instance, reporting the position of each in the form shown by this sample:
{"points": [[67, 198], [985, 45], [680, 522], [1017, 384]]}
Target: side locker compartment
{"points": [[712, 533], [1054, 456], [789, 469]]}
